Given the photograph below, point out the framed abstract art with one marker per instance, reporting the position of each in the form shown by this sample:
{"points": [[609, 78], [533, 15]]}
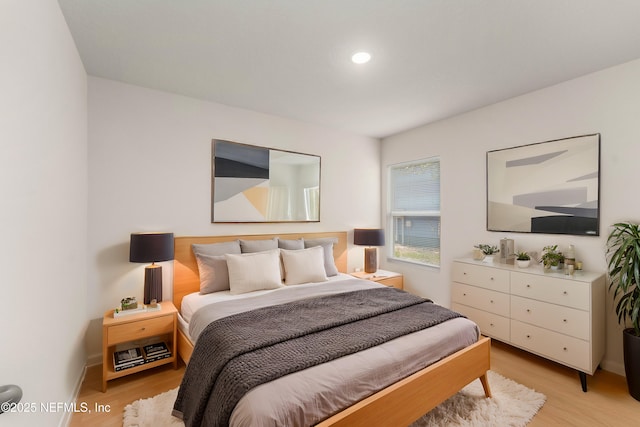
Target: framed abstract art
{"points": [[549, 187], [259, 184]]}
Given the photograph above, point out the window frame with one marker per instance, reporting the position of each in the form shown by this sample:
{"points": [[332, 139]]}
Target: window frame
{"points": [[392, 215]]}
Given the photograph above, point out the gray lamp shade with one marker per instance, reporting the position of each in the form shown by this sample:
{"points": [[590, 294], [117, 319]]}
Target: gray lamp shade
{"points": [[368, 237], [151, 247]]}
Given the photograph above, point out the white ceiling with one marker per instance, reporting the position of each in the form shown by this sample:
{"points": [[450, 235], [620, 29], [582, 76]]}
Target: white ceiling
{"points": [[431, 58]]}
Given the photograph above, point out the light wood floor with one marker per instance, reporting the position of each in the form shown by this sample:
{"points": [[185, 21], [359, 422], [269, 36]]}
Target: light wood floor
{"points": [[606, 403]]}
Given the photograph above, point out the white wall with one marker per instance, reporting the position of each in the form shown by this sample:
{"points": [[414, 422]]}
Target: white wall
{"points": [[605, 102], [43, 187], [150, 169]]}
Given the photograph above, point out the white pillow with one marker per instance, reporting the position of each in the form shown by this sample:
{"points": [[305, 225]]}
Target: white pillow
{"points": [[254, 271], [303, 265], [327, 244]]}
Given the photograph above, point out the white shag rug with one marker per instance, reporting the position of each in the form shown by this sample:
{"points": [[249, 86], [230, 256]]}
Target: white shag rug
{"points": [[512, 404]]}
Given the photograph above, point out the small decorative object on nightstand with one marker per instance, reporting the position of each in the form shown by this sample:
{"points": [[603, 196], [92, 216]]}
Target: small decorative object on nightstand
{"points": [[129, 333], [128, 303], [388, 278]]}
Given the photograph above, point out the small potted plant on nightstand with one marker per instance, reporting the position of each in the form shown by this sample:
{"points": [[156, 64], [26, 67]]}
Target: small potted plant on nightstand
{"points": [[523, 259], [488, 250], [551, 258]]}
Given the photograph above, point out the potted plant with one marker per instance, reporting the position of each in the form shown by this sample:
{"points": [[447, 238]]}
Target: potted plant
{"points": [[551, 258], [488, 251], [523, 259], [623, 252]]}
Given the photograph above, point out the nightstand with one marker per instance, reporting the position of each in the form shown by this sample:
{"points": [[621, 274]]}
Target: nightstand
{"points": [[136, 330], [388, 278]]}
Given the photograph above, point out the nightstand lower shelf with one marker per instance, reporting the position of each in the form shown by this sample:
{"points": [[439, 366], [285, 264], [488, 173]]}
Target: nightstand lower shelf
{"points": [[112, 374], [138, 330]]}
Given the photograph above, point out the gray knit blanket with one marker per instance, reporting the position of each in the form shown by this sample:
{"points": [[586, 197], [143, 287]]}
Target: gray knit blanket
{"points": [[237, 353]]}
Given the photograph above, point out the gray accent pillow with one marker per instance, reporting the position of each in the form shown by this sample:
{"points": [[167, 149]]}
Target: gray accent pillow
{"points": [[291, 245], [327, 244], [250, 246], [232, 247], [214, 273]]}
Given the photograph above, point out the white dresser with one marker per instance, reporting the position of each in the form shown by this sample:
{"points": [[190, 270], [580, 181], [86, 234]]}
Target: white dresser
{"points": [[553, 315]]}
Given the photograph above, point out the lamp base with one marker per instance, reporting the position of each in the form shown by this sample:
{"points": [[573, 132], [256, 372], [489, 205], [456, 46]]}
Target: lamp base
{"points": [[370, 260], [152, 283]]}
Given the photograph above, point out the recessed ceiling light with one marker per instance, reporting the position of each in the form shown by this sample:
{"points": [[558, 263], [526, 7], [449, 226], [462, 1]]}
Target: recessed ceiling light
{"points": [[361, 57]]}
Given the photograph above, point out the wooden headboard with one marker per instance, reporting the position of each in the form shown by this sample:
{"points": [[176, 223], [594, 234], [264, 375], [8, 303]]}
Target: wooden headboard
{"points": [[185, 268]]}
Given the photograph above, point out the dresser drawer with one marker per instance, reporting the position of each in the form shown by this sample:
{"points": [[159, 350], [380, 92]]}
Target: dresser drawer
{"points": [[551, 289], [490, 324], [565, 320], [477, 275], [562, 348], [140, 329], [481, 298]]}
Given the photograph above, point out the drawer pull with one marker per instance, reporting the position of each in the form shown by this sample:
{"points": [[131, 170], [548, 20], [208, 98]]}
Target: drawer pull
{"points": [[528, 311], [565, 293], [464, 294], [492, 278], [491, 324], [564, 320], [464, 274], [528, 336], [143, 328], [528, 286], [564, 348], [491, 301]]}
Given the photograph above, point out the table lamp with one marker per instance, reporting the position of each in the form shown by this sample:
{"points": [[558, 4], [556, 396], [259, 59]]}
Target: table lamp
{"points": [[369, 237], [151, 247]]}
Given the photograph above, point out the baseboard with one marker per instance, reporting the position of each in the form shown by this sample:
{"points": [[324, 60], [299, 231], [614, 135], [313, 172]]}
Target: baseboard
{"points": [[615, 367], [94, 359], [66, 418]]}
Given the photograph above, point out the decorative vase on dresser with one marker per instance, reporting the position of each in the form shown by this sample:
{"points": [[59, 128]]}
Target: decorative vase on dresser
{"points": [[553, 315]]}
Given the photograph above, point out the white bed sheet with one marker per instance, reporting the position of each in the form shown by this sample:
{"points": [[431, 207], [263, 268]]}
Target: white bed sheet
{"points": [[192, 302], [307, 397]]}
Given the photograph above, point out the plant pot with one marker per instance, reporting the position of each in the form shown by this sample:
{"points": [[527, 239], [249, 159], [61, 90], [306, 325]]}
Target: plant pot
{"points": [[488, 259], [631, 348], [523, 263], [478, 255]]}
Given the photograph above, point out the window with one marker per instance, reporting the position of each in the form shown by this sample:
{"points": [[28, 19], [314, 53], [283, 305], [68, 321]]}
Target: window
{"points": [[414, 205]]}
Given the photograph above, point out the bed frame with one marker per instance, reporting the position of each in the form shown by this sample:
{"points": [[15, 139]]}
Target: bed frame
{"points": [[399, 404]]}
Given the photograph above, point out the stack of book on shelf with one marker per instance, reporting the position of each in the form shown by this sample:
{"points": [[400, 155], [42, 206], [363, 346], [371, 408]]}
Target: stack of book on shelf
{"points": [[129, 358], [156, 351]]}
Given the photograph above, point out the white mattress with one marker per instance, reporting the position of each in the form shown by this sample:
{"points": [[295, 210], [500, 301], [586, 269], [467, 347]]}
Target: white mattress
{"points": [[309, 396]]}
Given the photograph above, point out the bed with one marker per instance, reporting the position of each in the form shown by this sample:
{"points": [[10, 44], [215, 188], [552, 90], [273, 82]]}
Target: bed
{"points": [[413, 391]]}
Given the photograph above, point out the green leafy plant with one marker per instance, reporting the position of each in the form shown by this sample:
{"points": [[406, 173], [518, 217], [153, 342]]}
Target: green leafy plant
{"points": [[487, 249], [551, 256], [623, 252], [523, 256]]}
